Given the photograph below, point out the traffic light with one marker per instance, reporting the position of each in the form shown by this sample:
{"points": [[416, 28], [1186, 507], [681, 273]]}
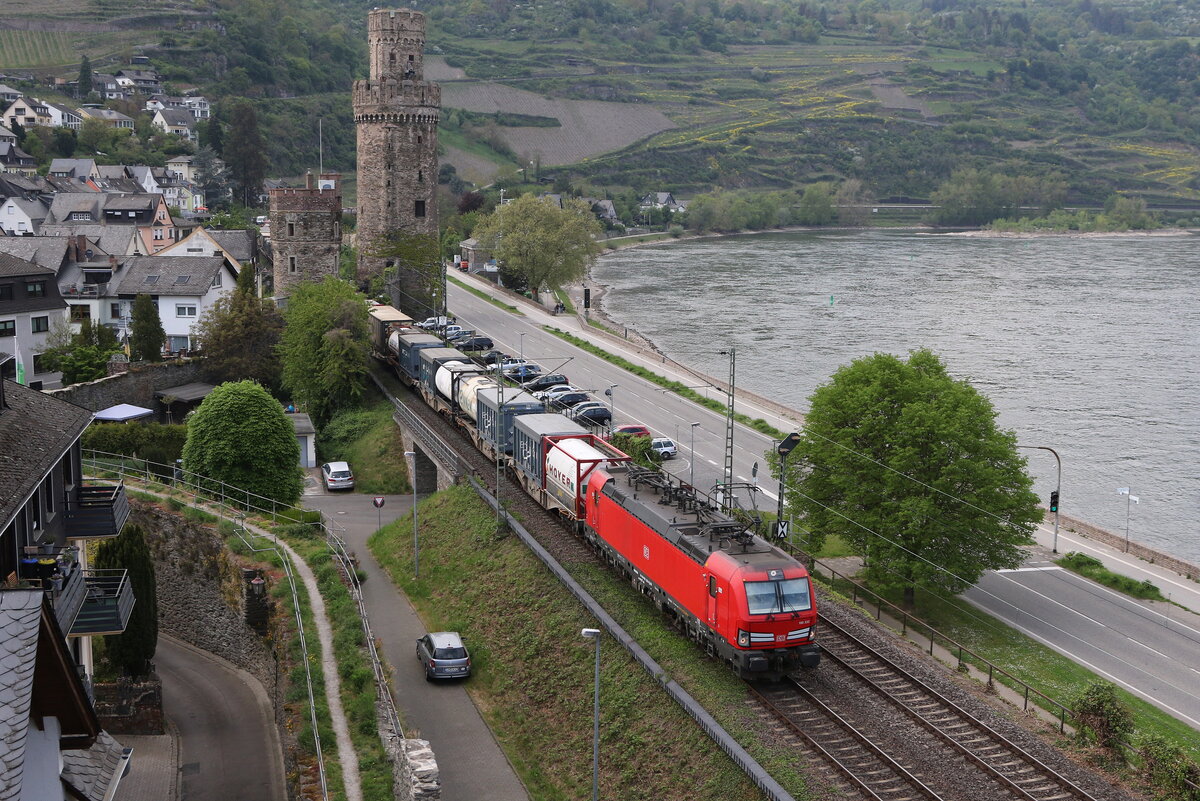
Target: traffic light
{"points": [[587, 297], [1054, 501]]}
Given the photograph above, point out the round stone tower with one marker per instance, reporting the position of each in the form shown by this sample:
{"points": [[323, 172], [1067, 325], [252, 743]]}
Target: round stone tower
{"points": [[396, 114]]}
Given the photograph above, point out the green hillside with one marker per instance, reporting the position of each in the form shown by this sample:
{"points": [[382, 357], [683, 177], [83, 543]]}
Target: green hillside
{"points": [[762, 94]]}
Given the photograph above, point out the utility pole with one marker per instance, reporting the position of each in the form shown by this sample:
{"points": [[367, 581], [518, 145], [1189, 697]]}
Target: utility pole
{"points": [[726, 500]]}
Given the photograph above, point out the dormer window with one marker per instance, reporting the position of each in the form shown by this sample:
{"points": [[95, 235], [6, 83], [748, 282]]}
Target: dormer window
{"points": [[182, 279], [151, 279]]}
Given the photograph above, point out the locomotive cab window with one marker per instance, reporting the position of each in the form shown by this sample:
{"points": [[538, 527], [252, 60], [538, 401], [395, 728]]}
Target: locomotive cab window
{"points": [[712, 586], [774, 597]]}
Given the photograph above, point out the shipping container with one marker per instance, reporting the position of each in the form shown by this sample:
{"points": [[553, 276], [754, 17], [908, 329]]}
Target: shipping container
{"points": [[529, 432], [406, 348], [495, 424]]}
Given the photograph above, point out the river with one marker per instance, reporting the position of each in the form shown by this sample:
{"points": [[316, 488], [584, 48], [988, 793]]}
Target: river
{"points": [[1088, 345]]}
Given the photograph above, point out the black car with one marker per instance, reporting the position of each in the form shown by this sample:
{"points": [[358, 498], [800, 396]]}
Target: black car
{"points": [[569, 399], [474, 343], [597, 416], [544, 382], [491, 357]]}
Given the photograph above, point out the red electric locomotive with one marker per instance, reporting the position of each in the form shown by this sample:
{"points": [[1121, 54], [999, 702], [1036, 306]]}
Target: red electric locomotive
{"points": [[746, 601]]}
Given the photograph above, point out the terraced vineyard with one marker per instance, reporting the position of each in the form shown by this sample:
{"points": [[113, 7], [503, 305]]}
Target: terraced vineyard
{"points": [[28, 49]]}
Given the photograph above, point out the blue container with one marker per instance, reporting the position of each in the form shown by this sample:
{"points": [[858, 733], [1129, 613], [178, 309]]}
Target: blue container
{"points": [[496, 423], [408, 352], [529, 431]]}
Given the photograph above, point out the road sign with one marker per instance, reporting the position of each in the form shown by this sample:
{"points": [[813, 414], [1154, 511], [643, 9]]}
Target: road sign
{"points": [[789, 442], [378, 501], [781, 529]]}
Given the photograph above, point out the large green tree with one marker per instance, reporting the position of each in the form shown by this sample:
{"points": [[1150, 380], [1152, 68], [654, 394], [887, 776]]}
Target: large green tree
{"points": [[82, 356], [245, 153], [324, 347], [240, 435], [146, 334], [547, 245], [238, 335], [131, 650], [83, 86], [906, 464]]}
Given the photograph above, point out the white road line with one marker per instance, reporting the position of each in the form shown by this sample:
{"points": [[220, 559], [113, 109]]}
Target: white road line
{"points": [[1027, 569]]}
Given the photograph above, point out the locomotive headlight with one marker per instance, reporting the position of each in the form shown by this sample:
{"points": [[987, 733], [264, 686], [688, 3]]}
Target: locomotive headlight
{"points": [[743, 638]]}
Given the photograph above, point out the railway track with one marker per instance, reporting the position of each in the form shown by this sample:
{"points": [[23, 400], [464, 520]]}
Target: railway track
{"points": [[1017, 771]]}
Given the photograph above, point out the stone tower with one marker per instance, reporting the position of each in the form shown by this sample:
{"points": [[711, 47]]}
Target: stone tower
{"points": [[396, 114], [306, 231]]}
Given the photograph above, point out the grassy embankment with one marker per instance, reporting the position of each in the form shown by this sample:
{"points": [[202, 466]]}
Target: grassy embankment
{"points": [[1095, 570], [479, 293], [368, 439], [533, 672]]}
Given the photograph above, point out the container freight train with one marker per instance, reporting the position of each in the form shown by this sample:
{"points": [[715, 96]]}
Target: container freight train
{"points": [[745, 601]]}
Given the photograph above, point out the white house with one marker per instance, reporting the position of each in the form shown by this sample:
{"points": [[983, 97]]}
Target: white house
{"points": [[29, 305], [184, 287], [64, 116], [176, 121], [199, 107], [21, 217]]}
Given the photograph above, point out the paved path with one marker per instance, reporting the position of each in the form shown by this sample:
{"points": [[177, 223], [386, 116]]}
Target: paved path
{"points": [[471, 763], [228, 745]]}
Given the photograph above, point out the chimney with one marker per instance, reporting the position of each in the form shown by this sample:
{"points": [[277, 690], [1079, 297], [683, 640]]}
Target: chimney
{"points": [[112, 263], [309, 180], [80, 247]]}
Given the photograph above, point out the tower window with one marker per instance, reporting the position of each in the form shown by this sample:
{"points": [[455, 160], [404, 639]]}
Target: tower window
{"points": [[419, 208], [391, 58], [291, 264], [420, 177], [291, 229], [419, 140]]}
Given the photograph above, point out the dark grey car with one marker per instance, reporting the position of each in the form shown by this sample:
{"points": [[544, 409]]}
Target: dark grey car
{"points": [[444, 656]]}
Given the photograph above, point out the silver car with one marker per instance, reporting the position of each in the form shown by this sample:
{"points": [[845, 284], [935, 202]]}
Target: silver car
{"points": [[444, 656], [337, 475], [664, 447]]}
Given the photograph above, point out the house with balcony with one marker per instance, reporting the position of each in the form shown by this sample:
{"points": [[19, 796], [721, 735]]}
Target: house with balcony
{"points": [[107, 87], [183, 288], [26, 111], [176, 121], [113, 119], [64, 116], [30, 304], [15, 160], [199, 106], [51, 602], [147, 82]]}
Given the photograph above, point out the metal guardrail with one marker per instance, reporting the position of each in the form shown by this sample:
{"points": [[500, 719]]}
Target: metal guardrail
{"points": [[109, 462], [435, 446], [756, 772]]}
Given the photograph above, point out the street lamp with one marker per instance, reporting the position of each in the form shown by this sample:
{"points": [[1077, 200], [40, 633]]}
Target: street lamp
{"points": [[595, 635], [612, 401], [416, 546], [1057, 489], [522, 345], [692, 450], [1128, 499]]}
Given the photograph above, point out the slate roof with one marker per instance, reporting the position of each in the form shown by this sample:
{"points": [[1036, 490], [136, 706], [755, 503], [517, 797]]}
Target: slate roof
{"points": [[35, 431], [20, 618], [136, 202], [91, 770], [64, 205], [34, 209], [164, 275], [241, 244], [176, 117], [76, 168], [44, 251], [11, 266], [118, 240]]}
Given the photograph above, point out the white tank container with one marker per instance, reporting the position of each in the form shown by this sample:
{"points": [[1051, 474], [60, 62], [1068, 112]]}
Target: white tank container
{"points": [[443, 379], [467, 388], [567, 467]]}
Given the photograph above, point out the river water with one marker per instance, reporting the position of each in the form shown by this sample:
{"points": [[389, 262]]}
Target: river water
{"points": [[1088, 345]]}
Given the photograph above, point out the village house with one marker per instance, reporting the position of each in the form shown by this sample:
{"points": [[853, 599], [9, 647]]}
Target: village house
{"points": [[80, 169], [64, 116], [7, 136], [14, 159], [29, 303], [26, 112], [107, 87], [8, 94], [147, 82], [20, 216], [176, 121], [184, 287], [113, 119]]}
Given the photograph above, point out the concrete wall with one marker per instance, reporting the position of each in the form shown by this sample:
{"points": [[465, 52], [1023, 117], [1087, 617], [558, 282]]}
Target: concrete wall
{"points": [[1118, 541], [136, 386]]}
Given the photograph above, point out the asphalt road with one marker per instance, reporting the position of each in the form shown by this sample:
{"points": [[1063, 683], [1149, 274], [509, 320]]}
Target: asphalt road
{"points": [[634, 399], [470, 762], [228, 745]]}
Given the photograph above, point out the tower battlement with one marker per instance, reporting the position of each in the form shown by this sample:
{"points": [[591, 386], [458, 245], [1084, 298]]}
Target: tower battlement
{"points": [[396, 41], [378, 96]]}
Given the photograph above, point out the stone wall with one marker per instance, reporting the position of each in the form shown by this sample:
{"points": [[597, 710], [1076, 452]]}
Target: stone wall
{"points": [[131, 706], [306, 232], [200, 598], [136, 386], [1117, 541]]}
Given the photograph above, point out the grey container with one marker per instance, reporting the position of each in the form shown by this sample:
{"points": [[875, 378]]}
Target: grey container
{"points": [[408, 352], [432, 359], [527, 432], [495, 424]]}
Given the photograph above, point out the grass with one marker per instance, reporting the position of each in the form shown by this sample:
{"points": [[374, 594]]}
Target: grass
{"points": [[479, 293], [1095, 570], [35, 49], [679, 388], [533, 673], [369, 440]]}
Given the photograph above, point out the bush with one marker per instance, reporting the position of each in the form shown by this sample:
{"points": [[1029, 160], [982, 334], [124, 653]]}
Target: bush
{"points": [[1102, 717], [1168, 767], [156, 441]]}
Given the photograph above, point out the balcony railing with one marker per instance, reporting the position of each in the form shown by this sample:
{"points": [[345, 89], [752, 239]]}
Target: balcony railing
{"points": [[57, 573], [99, 511], [107, 603], [76, 290]]}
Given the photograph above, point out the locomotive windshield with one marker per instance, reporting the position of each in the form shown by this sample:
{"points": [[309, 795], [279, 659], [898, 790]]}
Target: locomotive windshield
{"points": [[774, 597]]}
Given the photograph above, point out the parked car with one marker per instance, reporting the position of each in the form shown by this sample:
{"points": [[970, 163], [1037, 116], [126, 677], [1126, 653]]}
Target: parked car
{"points": [[664, 447], [433, 323], [474, 343], [555, 391], [565, 400], [544, 382], [462, 333], [491, 357], [592, 415], [444, 656], [588, 404], [337, 475], [509, 362], [523, 372], [451, 331], [632, 429]]}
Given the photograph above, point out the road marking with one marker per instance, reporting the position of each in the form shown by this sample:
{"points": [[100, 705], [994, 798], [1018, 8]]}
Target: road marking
{"points": [[1027, 569]]}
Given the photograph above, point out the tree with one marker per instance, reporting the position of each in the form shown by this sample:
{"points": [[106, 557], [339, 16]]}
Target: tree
{"points": [[211, 136], [239, 335], [85, 356], [907, 466], [241, 436], [131, 650], [1102, 717], [852, 200], [417, 256], [816, 206], [146, 336], [84, 87], [545, 244], [212, 177], [245, 154], [324, 347]]}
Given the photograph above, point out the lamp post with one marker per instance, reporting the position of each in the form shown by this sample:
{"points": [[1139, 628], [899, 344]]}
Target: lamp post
{"points": [[612, 400], [521, 353], [595, 635], [1128, 499], [726, 499], [784, 447], [416, 545], [1057, 489], [692, 451]]}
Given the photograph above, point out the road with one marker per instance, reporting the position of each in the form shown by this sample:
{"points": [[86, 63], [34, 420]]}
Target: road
{"points": [[470, 762], [634, 399], [228, 744]]}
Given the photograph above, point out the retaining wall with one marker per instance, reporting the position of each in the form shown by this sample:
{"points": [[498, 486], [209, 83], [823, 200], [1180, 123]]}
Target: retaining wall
{"points": [[135, 386]]}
